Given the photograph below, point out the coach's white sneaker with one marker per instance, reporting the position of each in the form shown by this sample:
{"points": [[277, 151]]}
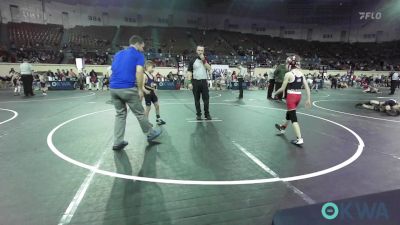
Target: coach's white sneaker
{"points": [[298, 141]]}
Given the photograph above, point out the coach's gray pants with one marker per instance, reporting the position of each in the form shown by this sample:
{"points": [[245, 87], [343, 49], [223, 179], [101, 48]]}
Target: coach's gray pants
{"points": [[130, 97]]}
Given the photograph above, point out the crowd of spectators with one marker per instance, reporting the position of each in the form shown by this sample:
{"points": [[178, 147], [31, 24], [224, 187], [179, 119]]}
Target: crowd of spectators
{"points": [[167, 46]]}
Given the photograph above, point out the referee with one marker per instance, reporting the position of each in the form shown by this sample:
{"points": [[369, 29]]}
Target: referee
{"points": [[242, 73], [27, 77], [394, 76], [271, 83], [197, 76]]}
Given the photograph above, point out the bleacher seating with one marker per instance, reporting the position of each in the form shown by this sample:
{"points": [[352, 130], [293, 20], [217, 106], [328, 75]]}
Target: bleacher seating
{"points": [[164, 45], [91, 37], [39, 36], [176, 40], [240, 42], [91, 58], [213, 41], [126, 32]]}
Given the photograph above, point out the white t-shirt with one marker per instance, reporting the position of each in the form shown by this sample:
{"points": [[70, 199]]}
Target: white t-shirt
{"points": [[242, 72], [309, 81], [43, 78], [222, 79], [395, 76], [26, 68], [271, 74]]}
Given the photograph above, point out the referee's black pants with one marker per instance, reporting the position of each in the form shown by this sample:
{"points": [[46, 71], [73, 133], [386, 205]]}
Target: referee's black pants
{"points": [[200, 88], [277, 86], [271, 85], [241, 80], [334, 84], [27, 82], [393, 86]]}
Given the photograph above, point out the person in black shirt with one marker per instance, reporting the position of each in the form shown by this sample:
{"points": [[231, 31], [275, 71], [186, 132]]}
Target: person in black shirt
{"points": [[334, 82]]}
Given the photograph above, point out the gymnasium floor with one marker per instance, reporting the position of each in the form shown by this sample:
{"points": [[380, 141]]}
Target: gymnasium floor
{"points": [[57, 166]]}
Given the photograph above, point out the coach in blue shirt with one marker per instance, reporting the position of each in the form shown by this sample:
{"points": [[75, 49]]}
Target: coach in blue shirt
{"points": [[126, 88]]}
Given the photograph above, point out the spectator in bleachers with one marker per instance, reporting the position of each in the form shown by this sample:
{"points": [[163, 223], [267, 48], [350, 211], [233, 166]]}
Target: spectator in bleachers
{"points": [[105, 82], [61, 75], [170, 76], [50, 73], [3, 81], [158, 77], [72, 74], [58, 75], [234, 77], [11, 72], [94, 81], [38, 43]]}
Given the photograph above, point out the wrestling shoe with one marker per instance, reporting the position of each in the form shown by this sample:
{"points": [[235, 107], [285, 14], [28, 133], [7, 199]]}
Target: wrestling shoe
{"points": [[280, 128], [160, 122], [298, 141], [120, 146]]}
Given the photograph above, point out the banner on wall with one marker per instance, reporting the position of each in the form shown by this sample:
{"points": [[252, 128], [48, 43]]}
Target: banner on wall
{"points": [[168, 85], [218, 70], [62, 85], [235, 85]]}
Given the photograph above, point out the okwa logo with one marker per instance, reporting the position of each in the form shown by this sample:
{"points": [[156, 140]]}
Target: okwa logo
{"points": [[355, 211]]}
